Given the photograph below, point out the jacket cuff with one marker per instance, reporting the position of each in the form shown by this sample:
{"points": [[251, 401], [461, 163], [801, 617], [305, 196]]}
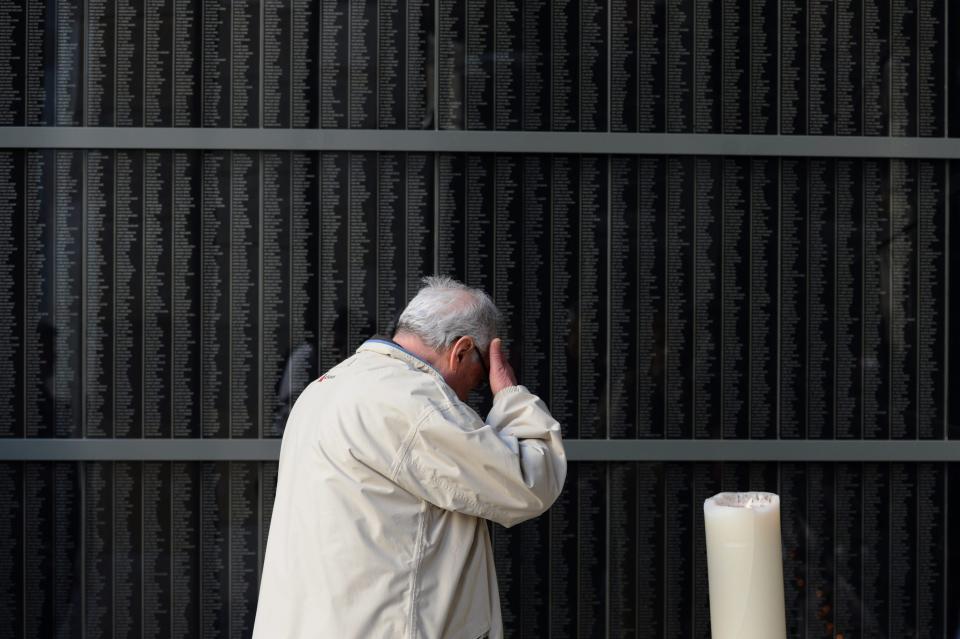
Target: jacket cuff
{"points": [[510, 390]]}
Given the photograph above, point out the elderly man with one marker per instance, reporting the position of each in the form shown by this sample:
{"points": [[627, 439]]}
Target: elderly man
{"points": [[386, 478]]}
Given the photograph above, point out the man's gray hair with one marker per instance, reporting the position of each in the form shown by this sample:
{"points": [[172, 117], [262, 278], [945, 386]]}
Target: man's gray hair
{"points": [[445, 309]]}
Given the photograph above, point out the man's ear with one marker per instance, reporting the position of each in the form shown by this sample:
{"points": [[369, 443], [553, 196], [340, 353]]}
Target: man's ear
{"points": [[460, 350]]}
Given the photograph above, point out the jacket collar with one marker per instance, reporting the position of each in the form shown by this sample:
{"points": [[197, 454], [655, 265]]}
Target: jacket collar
{"points": [[386, 346]]}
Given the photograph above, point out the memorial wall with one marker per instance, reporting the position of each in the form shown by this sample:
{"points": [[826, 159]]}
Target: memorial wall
{"points": [[183, 294]]}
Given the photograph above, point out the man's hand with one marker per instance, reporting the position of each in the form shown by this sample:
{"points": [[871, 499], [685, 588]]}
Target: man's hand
{"points": [[501, 373]]}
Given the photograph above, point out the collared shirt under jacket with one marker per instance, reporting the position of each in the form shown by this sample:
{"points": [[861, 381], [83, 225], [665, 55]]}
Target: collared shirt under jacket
{"points": [[385, 481]]}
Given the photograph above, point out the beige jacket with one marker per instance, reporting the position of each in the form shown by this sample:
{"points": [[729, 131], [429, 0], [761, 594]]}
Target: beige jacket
{"points": [[385, 481]]}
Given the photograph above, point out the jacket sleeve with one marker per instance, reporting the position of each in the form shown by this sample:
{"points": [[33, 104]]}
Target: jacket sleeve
{"points": [[509, 469]]}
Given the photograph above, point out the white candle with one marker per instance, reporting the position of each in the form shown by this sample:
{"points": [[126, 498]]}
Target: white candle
{"points": [[745, 566]]}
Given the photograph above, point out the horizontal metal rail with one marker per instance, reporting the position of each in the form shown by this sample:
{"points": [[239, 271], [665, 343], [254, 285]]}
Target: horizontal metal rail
{"points": [[577, 450], [477, 142]]}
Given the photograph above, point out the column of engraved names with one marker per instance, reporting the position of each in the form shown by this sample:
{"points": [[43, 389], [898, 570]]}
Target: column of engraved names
{"points": [[275, 255], [736, 58], [624, 43], [244, 545], [764, 300], [537, 65], [903, 299], [931, 309], [735, 291], [591, 313], [40, 50], [67, 548], [393, 38], [651, 297], [157, 292], [451, 81], [188, 51], [185, 542], [625, 543], [420, 231], [764, 66], [592, 588], [217, 60], [564, 65], [215, 312], [623, 310], [97, 545], [848, 292], [564, 550], [875, 591], [594, 62], [128, 295], [158, 79], [708, 69], [363, 70], [451, 247], [304, 69], [876, 299], [931, 67], [678, 550], [13, 64], [157, 549], [361, 247], [187, 289], [849, 67], [820, 320], [99, 90], [707, 276], [793, 515], [848, 553], [38, 295], [680, 69], [334, 259], [38, 541], [652, 66], [679, 291], [13, 310], [903, 502], [68, 294], [69, 62], [876, 74], [98, 285], [390, 248], [280, 45], [793, 299], [508, 65], [931, 540], [535, 275], [903, 67], [507, 239], [651, 538], [244, 295], [128, 547], [216, 498], [820, 582], [821, 67], [564, 292], [478, 91], [793, 67], [245, 63], [304, 274], [421, 87]]}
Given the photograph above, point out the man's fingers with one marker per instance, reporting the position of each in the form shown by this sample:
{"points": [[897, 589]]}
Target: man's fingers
{"points": [[495, 354]]}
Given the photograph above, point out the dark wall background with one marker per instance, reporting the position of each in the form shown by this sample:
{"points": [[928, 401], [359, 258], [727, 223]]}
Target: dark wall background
{"points": [[153, 293]]}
